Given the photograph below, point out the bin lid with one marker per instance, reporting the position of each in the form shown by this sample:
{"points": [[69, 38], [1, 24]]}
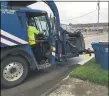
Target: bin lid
{"points": [[104, 42], [95, 42]]}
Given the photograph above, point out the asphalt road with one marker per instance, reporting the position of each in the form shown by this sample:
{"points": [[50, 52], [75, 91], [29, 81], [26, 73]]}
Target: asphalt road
{"points": [[39, 82]]}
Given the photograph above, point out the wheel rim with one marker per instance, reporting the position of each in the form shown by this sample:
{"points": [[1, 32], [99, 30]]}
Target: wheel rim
{"points": [[13, 71]]}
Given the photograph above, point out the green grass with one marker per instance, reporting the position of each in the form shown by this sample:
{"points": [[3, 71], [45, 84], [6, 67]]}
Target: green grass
{"points": [[91, 72]]}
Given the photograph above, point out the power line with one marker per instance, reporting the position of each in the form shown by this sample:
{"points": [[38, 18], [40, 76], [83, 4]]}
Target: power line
{"points": [[81, 15]]}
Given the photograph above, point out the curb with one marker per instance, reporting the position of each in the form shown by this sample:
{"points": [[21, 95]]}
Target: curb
{"points": [[55, 87], [85, 61]]}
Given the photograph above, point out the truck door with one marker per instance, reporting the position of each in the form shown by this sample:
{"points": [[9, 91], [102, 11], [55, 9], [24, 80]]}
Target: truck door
{"points": [[44, 25]]}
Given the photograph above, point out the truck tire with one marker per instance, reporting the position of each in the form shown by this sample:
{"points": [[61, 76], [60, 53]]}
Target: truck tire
{"points": [[14, 70]]}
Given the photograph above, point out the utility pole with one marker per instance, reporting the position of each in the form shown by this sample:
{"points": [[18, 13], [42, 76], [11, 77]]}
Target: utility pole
{"points": [[98, 4]]}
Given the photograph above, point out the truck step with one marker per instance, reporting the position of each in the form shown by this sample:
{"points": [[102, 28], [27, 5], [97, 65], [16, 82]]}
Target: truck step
{"points": [[45, 65]]}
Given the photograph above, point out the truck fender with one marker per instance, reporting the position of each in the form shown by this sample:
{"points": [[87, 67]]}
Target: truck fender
{"points": [[19, 51]]}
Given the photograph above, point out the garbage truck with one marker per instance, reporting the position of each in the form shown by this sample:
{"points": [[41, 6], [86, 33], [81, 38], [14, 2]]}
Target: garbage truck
{"points": [[17, 56]]}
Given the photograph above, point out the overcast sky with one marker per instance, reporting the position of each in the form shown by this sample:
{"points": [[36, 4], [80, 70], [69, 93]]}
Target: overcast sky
{"points": [[69, 10]]}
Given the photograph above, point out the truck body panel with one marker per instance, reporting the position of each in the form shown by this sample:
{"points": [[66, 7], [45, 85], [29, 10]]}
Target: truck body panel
{"points": [[11, 29]]}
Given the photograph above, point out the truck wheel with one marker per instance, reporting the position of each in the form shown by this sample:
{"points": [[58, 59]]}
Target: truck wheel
{"points": [[14, 71]]}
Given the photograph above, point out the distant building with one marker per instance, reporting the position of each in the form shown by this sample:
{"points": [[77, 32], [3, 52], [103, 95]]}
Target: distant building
{"points": [[67, 27], [91, 26]]}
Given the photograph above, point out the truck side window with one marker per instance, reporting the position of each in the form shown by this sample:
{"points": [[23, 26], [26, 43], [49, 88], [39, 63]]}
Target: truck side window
{"points": [[42, 24]]}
